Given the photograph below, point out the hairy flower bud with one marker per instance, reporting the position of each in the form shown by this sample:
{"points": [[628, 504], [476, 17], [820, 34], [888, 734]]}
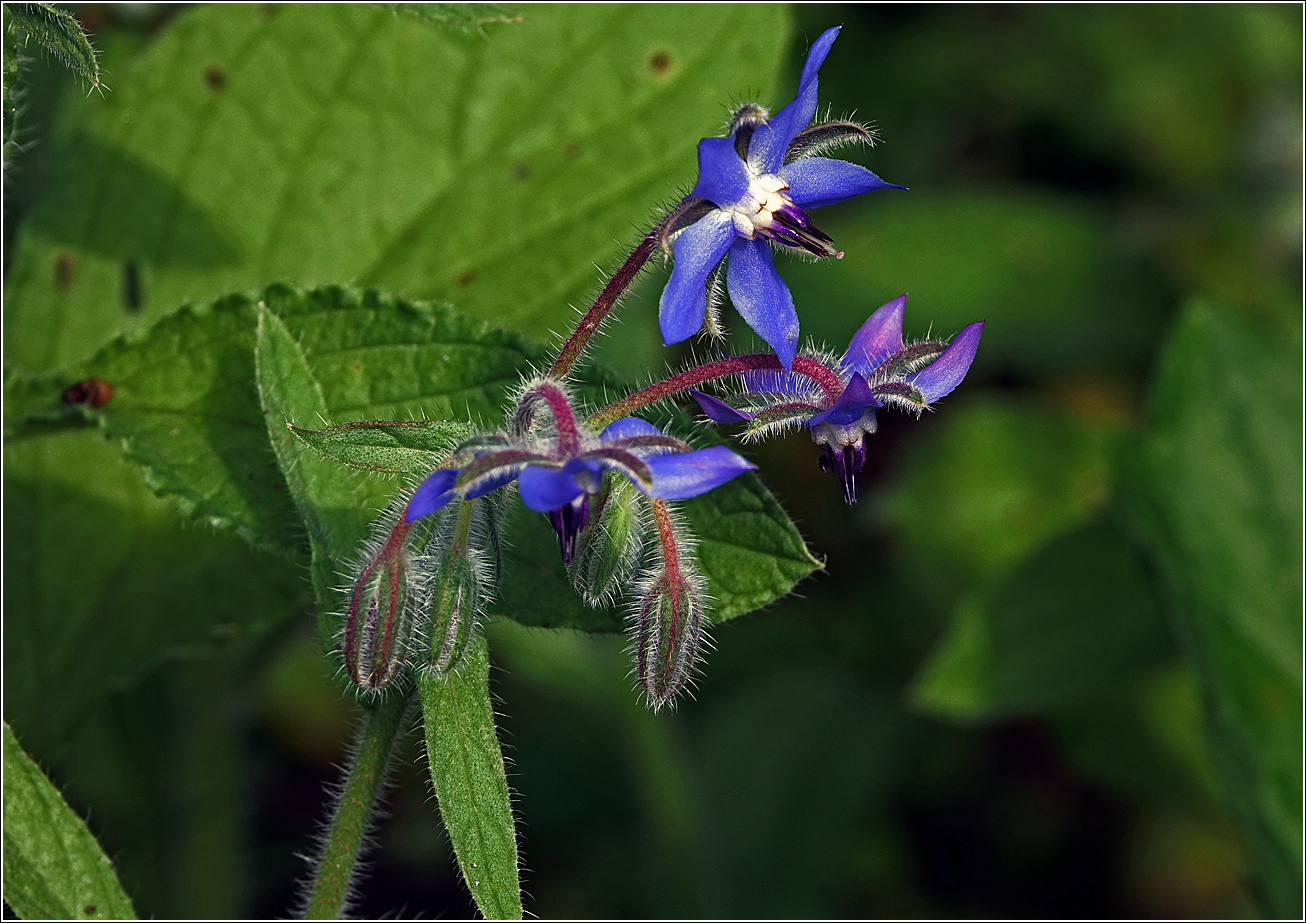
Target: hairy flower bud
{"points": [[609, 549], [380, 617], [668, 615], [460, 580]]}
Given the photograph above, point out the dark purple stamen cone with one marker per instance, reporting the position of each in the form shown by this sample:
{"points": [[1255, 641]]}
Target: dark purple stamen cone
{"points": [[569, 521], [847, 462]]}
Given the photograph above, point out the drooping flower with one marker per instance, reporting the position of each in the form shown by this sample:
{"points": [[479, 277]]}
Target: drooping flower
{"points": [[877, 370], [753, 189], [558, 476]]}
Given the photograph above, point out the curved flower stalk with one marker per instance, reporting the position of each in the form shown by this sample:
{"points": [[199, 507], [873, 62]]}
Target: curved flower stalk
{"points": [[753, 189], [558, 476], [877, 370]]}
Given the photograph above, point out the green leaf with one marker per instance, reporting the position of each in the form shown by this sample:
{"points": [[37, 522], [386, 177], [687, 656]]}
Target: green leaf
{"points": [[748, 549], [59, 33], [417, 447], [470, 781], [336, 523], [1071, 624], [102, 583], [253, 143], [1215, 487], [53, 868], [990, 487], [185, 406], [461, 16]]}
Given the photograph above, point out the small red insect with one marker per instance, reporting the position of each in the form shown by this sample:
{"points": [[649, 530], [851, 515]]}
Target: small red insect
{"points": [[94, 392]]}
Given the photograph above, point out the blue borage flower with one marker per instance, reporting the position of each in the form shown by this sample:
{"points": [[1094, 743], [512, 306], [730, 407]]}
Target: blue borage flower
{"points": [[557, 477], [877, 370], [753, 186]]}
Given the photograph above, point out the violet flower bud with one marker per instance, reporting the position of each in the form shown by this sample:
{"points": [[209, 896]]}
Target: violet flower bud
{"points": [[668, 615], [380, 616]]}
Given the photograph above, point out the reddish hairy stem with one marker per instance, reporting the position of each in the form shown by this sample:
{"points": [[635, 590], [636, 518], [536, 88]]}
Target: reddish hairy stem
{"points": [[667, 538], [827, 378], [607, 300]]}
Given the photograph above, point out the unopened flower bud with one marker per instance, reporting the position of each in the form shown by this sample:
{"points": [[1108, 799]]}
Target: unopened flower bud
{"points": [[461, 581], [609, 549], [668, 613], [669, 631], [379, 619]]}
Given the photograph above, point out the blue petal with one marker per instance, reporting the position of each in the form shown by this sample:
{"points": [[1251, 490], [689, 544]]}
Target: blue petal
{"points": [[688, 474], [817, 181], [718, 411], [698, 249], [485, 485], [947, 371], [851, 405], [627, 427], [768, 144], [721, 175], [544, 489], [816, 54], [433, 494], [878, 338], [762, 298]]}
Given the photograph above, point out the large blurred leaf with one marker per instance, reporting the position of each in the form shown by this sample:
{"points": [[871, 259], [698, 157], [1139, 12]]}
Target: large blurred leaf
{"points": [[1216, 487], [994, 483], [1070, 625], [53, 868], [102, 582], [332, 143], [462, 16]]}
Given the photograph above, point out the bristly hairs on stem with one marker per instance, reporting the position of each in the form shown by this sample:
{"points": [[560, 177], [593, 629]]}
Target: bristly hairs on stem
{"points": [[607, 299], [336, 868]]}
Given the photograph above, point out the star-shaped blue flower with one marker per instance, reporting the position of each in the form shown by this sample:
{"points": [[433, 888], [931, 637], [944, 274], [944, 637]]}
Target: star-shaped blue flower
{"points": [[753, 188], [559, 479], [877, 369]]}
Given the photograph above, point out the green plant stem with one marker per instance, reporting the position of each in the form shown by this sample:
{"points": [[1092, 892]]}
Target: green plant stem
{"points": [[337, 864]]}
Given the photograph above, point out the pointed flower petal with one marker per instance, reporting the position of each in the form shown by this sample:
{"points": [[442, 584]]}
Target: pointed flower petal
{"points": [[769, 142], [721, 175], [947, 371], [627, 427], [718, 411], [688, 474], [762, 297], [817, 181], [878, 338], [851, 405], [544, 489], [433, 494], [697, 251]]}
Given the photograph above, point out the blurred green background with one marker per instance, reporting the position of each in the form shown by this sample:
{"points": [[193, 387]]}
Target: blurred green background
{"points": [[1053, 667]]}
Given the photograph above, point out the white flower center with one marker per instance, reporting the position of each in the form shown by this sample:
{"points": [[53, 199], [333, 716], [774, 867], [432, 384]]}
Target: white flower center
{"points": [[756, 210]]}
